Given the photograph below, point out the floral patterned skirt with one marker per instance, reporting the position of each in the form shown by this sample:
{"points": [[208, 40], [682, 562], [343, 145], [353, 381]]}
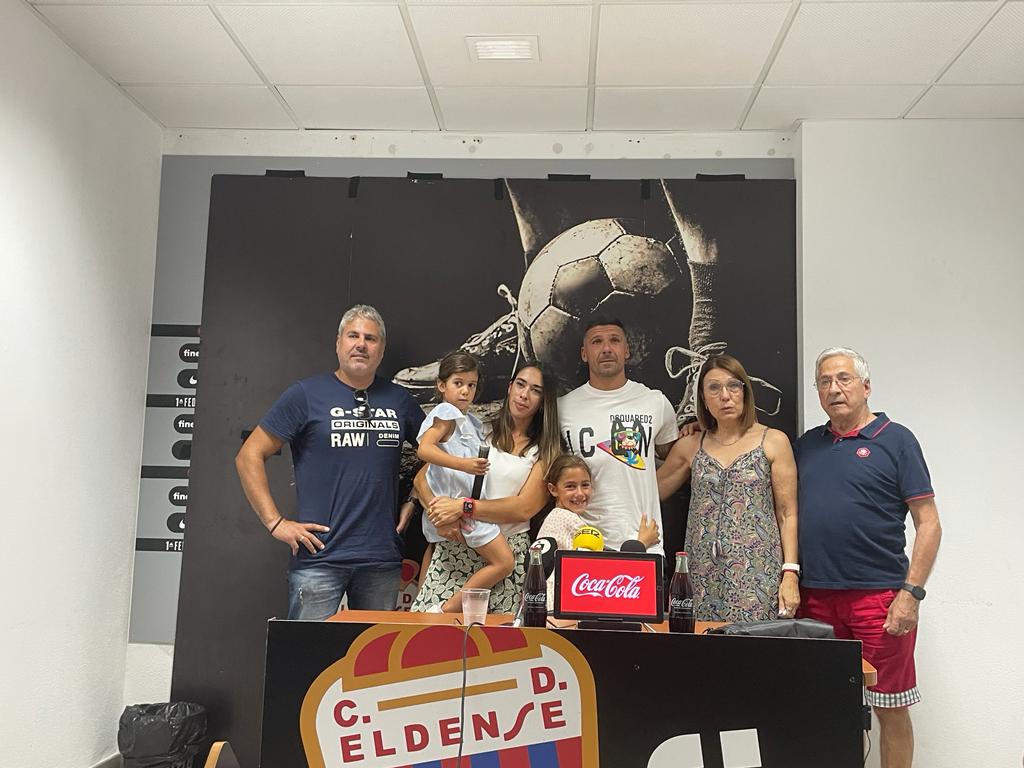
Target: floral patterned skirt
{"points": [[453, 562]]}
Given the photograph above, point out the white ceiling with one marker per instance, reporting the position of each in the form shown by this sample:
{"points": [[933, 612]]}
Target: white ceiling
{"points": [[624, 66]]}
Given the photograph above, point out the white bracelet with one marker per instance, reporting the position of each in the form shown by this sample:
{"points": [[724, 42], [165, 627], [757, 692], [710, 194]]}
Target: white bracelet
{"points": [[794, 567]]}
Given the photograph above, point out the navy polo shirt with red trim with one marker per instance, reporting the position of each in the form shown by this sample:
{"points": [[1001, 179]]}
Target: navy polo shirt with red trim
{"points": [[853, 496]]}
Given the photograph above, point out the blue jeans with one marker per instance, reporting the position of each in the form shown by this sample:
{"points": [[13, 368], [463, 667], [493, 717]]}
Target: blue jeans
{"points": [[314, 594]]}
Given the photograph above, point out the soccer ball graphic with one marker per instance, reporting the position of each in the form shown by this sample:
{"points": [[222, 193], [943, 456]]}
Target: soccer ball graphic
{"points": [[600, 268]]}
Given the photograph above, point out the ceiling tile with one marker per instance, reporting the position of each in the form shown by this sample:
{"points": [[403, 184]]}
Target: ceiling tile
{"points": [[218, 2], [868, 43], [298, 2], [778, 107], [997, 54], [212, 106], [108, 2], [153, 44], [669, 109], [494, 3], [692, 44], [352, 108], [326, 44], [563, 33], [497, 2], [513, 109], [971, 101]]}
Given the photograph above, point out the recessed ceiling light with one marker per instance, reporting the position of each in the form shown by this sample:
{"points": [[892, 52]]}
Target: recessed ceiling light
{"points": [[505, 48]]}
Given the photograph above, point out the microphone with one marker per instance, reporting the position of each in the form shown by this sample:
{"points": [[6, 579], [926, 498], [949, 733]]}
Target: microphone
{"points": [[478, 481], [633, 545], [589, 538], [547, 547]]}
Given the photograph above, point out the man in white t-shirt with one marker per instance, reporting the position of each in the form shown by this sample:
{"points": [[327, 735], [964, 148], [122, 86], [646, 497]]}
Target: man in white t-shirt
{"points": [[617, 426]]}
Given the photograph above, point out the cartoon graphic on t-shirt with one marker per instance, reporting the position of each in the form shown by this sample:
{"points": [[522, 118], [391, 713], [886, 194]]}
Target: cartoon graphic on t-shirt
{"points": [[627, 443]]}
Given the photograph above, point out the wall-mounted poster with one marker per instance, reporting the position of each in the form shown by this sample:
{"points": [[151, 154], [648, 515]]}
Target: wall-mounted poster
{"points": [[509, 270]]}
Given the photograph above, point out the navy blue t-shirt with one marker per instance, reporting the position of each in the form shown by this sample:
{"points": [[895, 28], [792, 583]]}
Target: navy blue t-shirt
{"points": [[853, 507], [346, 469]]}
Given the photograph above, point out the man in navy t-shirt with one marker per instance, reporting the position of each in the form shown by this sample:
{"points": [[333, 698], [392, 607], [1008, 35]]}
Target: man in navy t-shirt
{"points": [[346, 431], [859, 475]]}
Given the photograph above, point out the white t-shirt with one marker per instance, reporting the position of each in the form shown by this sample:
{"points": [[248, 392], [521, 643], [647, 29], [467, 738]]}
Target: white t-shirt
{"points": [[616, 431]]}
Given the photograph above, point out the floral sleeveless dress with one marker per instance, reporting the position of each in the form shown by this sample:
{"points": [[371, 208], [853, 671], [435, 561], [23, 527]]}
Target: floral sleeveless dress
{"points": [[733, 538]]}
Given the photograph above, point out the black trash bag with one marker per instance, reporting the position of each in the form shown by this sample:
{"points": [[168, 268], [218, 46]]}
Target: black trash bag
{"points": [[161, 735]]}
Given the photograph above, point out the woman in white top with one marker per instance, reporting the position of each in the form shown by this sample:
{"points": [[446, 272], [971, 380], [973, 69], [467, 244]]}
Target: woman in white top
{"points": [[524, 441], [449, 441]]}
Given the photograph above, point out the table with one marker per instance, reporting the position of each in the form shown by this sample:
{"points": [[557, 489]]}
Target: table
{"points": [[385, 690], [499, 619]]}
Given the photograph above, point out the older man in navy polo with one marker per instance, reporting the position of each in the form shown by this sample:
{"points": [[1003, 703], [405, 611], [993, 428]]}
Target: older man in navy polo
{"points": [[860, 474]]}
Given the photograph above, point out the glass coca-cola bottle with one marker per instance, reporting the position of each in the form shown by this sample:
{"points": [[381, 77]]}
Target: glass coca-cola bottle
{"points": [[535, 592], [680, 597]]}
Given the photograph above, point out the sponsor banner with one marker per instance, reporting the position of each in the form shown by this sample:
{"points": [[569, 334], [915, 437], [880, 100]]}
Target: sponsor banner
{"points": [[178, 473], [394, 701], [179, 331], [188, 353], [158, 545], [170, 401], [184, 424], [609, 586]]}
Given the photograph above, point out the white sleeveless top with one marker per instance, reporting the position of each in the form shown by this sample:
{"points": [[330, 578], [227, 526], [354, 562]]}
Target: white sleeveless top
{"points": [[506, 477]]}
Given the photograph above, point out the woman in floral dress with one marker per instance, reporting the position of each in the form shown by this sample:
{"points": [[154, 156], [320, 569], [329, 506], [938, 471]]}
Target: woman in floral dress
{"points": [[741, 533]]}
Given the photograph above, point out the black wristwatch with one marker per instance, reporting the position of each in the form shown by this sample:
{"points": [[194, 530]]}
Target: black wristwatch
{"points": [[917, 592]]}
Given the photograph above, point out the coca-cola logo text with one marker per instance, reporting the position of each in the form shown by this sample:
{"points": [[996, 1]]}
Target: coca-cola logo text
{"points": [[620, 586]]}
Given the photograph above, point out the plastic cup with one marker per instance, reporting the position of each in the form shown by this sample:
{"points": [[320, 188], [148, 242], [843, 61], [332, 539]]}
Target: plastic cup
{"points": [[474, 605]]}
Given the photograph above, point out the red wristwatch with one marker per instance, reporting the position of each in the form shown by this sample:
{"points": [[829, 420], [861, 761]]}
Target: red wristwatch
{"points": [[468, 507]]}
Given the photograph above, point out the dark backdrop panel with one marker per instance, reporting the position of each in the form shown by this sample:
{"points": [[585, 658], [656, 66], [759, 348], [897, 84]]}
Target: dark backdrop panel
{"points": [[754, 225], [430, 256], [285, 258], [276, 283]]}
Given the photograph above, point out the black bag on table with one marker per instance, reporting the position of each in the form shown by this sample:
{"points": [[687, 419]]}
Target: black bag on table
{"points": [[805, 628]]}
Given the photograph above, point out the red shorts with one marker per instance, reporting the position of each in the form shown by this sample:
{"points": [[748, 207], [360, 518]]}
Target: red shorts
{"points": [[858, 614]]}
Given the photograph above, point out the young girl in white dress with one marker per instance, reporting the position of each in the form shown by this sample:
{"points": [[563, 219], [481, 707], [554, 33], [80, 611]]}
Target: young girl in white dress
{"points": [[449, 441]]}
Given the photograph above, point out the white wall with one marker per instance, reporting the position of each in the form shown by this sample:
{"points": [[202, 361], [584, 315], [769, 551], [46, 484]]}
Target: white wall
{"points": [[79, 186], [913, 253], [147, 673]]}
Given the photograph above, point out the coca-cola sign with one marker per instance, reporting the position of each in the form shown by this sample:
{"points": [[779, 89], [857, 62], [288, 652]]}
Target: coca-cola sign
{"points": [[608, 584], [627, 587]]}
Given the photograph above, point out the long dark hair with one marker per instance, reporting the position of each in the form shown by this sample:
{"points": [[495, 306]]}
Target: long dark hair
{"points": [[543, 430]]}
